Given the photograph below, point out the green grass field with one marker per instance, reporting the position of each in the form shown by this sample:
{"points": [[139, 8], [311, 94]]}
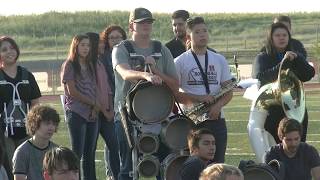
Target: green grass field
{"points": [[237, 113]]}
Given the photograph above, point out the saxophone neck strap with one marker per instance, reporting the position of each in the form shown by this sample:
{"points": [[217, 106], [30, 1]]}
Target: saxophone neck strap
{"points": [[204, 74]]}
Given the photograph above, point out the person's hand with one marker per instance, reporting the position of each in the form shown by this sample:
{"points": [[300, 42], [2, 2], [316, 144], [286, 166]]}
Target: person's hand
{"points": [[290, 55], [154, 79], [149, 60], [109, 115], [205, 98], [214, 112], [96, 107], [93, 114]]}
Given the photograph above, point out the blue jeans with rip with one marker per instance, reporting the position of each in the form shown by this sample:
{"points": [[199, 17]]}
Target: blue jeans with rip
{"points": [[83, 137], [108, 133]]}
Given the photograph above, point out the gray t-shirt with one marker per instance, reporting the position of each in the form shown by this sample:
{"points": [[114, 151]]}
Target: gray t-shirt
{"points": [[27, 160], [120, 55]]}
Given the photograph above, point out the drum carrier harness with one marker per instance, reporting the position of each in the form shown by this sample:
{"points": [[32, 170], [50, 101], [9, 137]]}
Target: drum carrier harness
{"points": [[15, 111], [136, 62]]}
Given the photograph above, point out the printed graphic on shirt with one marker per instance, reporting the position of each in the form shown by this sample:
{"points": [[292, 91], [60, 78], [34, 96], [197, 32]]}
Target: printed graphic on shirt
{"points": [[195, 78]]}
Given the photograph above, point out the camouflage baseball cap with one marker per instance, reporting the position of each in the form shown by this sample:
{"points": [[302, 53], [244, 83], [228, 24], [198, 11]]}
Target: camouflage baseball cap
{"points": [[140, 14]]}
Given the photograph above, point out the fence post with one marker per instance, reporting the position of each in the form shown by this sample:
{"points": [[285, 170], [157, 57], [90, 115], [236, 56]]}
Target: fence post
{"points": [[56, 44], [245, 44], [227, 46], [317, 32]]}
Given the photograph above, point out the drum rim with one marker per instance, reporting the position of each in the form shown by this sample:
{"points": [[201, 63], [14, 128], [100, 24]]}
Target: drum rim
{"points": [[170, 158], [158, 118], [154, 136], [163, 131], [149, 158]]}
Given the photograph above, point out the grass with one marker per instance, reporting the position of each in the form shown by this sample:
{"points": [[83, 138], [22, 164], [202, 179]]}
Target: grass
{"points": [[237, 113]]}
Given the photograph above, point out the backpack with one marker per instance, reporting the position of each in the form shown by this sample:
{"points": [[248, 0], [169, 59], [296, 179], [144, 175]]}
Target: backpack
{"points": [[274, 170], [15, 112]]}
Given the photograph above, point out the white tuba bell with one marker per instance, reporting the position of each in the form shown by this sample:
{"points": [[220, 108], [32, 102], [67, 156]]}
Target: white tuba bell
{"points": [[288, 92]]}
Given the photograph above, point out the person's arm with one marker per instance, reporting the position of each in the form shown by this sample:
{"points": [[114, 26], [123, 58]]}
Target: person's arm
{"points": [[120, 63], [67, 78], [188, 98], [20, 162], [301, 68], [172, 82], [34, 102], [299, 47], [226, 82], [270, 155], [72, 90], [35, 91], [169, 76], [262, 70], [314, 160], [128, 74], [315, 172], [20, 177], [215, 109]]}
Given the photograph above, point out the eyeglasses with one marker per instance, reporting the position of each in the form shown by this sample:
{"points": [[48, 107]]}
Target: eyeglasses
{"points": [[115, 37]]}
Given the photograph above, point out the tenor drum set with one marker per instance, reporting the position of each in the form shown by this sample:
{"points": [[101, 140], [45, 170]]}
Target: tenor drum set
{"points": [[148, 124]]}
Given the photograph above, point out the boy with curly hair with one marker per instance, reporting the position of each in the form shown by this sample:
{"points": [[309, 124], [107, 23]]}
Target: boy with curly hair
{"points": [[42, 123]]}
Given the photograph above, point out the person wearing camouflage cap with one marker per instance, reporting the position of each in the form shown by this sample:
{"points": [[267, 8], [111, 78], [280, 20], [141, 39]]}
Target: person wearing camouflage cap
{"points": [[163, 71]]}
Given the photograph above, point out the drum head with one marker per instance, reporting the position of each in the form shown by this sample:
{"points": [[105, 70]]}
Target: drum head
{"points": [[153, 104], [148, 143], [148, 167], [175, 133], [257, 173], [172, 166]]}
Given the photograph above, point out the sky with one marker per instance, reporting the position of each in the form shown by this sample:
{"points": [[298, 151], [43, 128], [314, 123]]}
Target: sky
{"points": [[22, 7]]}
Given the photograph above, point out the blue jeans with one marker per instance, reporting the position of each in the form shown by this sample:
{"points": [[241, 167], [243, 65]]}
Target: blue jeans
{"points": [[5, 162], [219, 129], [83, 137], [126, 153], [108, 133]]}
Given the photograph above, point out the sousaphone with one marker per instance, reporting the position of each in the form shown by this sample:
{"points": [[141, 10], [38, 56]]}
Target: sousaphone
{"points": [[287, 92]]}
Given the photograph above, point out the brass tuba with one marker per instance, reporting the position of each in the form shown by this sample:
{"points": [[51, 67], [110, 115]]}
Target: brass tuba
{"points": [[288, 92]]}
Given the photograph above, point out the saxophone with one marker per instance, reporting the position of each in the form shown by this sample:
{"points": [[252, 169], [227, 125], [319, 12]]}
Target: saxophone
{"points": [[198, 111]]}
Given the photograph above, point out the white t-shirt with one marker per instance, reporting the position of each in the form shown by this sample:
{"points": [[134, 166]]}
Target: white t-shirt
{"points": [[189, 74]]}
